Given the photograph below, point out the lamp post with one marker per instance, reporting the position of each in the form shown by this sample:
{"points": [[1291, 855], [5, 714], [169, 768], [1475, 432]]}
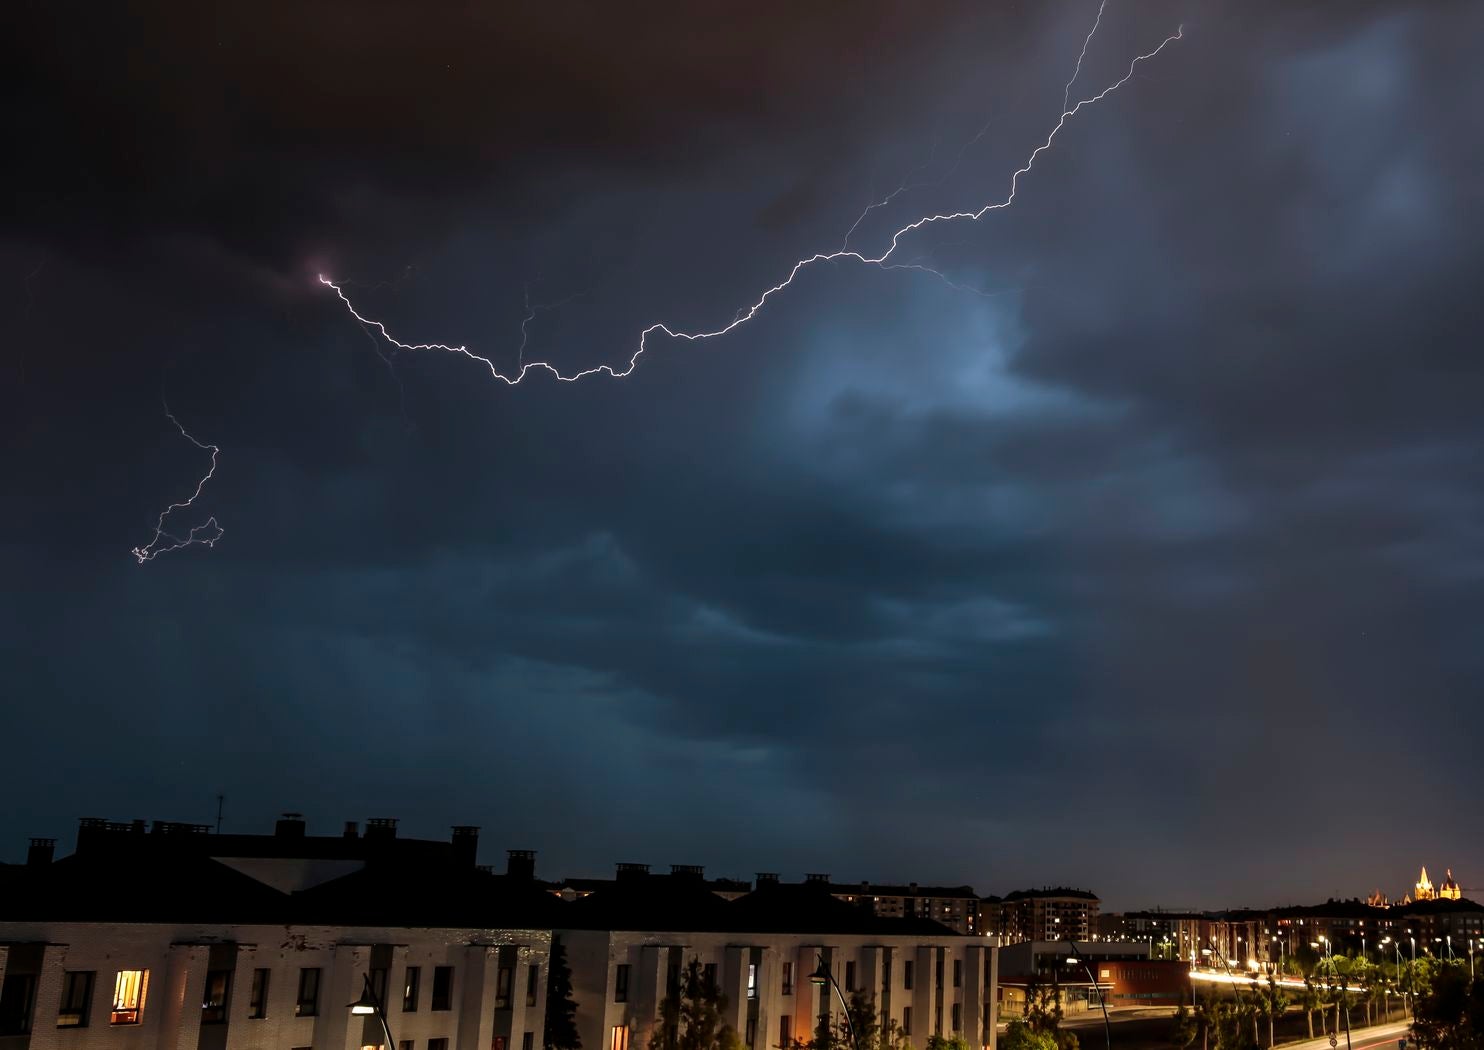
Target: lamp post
{"points": [[1073, 959], [368, 1003], [1345, 1002], [822, 976]]}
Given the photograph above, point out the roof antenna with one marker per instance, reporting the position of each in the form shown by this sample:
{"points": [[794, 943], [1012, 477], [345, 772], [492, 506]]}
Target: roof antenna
{"points": [[221, 801]]}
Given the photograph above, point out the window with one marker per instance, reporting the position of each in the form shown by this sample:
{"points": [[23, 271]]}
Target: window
{"points": [[77, 997], [214, 1002], [257, 996], [907, 969], [708, 975], [619, 1037], [907, 1018], [307, 1005], [378, 984], [533, 976], [850, 976], [958, 974], [785, 1030], [621, 988], [752, 980], [750, 1032], [437, 1044], [129, 989], [788, 979], [503, 979], [405, 1044], [409, 989], [17, 997], [958, 1017], [528, 1041], [443, 987]]}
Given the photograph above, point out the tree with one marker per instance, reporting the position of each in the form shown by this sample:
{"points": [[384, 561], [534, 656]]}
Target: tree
{"points": [[944, 1042], [1448, 1012], [690, 1017], [1186, 1030], [1273, 1001], [1309, 1002], [1019, 1035], [561, 1010]]}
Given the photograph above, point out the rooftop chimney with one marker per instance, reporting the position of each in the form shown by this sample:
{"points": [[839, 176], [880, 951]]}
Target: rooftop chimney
{"points": [[40, 852], [628, 871], [767, 878], [381, 827], [816, 876], [688, 871], [520, 863], [465, 844], [290, 826], [352, 830]]}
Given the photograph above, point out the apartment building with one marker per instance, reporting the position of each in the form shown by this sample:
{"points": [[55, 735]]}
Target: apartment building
{"points": [[1049, 914], [172, 937]]}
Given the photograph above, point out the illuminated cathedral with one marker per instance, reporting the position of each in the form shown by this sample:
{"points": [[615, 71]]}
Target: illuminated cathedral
{"points": [[1426, 892], [1423, 891]]}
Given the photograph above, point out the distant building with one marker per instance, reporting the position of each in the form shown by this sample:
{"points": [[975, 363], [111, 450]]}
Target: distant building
{"points": [[1120, 971], [1448, 891], [1168, 934], [1049, 914], [956, 907]]}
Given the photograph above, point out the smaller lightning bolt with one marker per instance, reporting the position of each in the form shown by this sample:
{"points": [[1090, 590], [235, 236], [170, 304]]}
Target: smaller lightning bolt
{"points": [[206, 533]]}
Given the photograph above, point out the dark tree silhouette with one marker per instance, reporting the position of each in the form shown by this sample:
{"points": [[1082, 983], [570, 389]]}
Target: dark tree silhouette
{"points": [[561, 1010]]}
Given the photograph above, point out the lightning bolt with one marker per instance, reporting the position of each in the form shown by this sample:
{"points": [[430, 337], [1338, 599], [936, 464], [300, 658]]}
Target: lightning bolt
{"points": [[206, 533], [747, 313]]}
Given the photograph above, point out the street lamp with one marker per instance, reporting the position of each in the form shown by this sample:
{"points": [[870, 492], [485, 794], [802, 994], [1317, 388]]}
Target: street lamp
{"points": [[368, 1003], [821, 977], [1073, 960]]}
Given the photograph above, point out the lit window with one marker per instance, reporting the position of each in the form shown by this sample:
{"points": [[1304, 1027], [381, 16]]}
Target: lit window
{"points": [[128, 996], [620, 1038]]}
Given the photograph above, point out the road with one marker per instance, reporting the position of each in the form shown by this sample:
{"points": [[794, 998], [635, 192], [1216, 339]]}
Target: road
{"points": [[1372, 1038]]}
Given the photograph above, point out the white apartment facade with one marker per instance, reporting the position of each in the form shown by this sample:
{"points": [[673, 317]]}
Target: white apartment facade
{"points": [[941, 986], [145, 986]]}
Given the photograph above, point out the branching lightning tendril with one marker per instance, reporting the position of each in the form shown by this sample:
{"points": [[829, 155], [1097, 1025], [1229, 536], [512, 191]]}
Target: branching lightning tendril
{"points": [[207, 533], [748, 313]]}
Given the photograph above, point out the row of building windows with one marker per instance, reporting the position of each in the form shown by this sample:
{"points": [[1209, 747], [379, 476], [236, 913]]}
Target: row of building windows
{"points": [[131, 988], [622, 971]]}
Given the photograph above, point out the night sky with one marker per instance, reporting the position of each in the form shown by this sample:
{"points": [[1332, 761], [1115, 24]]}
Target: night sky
{"points": [[1146, 555]]}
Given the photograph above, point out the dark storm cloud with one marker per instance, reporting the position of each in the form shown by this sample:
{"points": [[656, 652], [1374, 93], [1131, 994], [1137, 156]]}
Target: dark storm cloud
{"points": [[1058, 583]]}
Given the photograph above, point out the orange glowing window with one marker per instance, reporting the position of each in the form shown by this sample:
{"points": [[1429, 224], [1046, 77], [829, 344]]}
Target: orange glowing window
{"points": [[129, 988]]}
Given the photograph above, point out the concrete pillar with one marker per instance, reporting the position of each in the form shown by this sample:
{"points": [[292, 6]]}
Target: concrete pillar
{"points": [[477, 978], [178, 997]]}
